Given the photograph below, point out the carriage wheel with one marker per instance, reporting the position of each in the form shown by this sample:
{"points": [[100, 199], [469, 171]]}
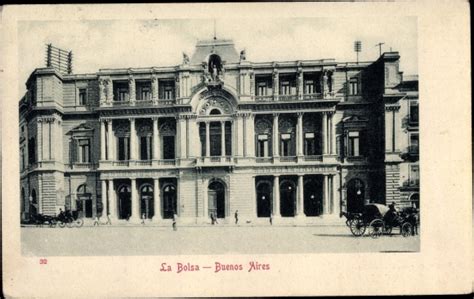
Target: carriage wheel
{"points": [[388, 229], [52, 224], [79, 222], [357, 227], [69, 224], [61, 224], [405, 230], [376, 228]]}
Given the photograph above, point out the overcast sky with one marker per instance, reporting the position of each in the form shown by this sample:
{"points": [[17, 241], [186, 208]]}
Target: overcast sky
{"points": [[146, 43]]}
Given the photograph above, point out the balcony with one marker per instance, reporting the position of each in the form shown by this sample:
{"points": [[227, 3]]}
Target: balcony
{"points": [[264, 159], [215, 161], [144, 103], [411, 184], [411, 153], [315, 158], [166, 102], [82, 165], [264, 98], [312, 97], [287, 97], [292, 97]]}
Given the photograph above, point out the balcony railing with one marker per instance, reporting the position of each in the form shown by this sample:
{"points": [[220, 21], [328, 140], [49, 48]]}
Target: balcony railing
{"points": [[82, 165], [288, 159], [264, 98], [413, 149], [144, 103], [287, 97], [311, 97], [143, 163], [313, 158], [120, 103], [166, 102], [264, 159], [411, 183]]}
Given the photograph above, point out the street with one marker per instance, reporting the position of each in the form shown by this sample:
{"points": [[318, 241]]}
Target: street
{"points": [[153, 240]]}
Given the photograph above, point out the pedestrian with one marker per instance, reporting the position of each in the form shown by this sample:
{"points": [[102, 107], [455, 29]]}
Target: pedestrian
{"points": [[212, 218], [109, 222], [271, 218], [175, 227], [143, 218], [215, 218], [236, 216], [96, 221]]}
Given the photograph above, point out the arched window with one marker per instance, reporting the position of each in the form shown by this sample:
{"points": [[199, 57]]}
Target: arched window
{"points": [[215, 64], [215, 111], [263, 129]]}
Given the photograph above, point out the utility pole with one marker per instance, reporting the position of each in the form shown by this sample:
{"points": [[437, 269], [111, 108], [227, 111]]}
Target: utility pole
{"points": [[380, 48]]}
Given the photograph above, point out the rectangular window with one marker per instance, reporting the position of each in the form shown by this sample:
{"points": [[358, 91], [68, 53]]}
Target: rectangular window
{"points": [[285, 88], [22, 164], [82, 97], [31, 150], [262, 89], [309, 144], [262, 146], [168, 147], [414, 143], [413, 112], [353, 87], [309, 87], [145, 94], [123, 148], [145, 148], [354, 144], [285, 145], [122, 95], [83, 150], [414, 175], [166, 90]]}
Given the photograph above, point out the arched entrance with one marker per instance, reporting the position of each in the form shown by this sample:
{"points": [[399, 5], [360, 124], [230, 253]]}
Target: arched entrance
{"points": [[124, 201], [84, 202], [146, 201], [264, 199], [415, 200], [355, 196], [170, 206], [216, 199], [33, 204], [313, 197], [287, 198]]}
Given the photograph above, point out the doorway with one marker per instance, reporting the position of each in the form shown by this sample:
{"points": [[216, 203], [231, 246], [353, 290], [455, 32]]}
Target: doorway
{"points": [[355, 196], [264, 199], [125, 202], [287, 198], [216, 199]]}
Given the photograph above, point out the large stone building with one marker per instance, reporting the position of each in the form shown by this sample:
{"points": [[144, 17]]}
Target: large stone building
{"points": [[302, 140]]}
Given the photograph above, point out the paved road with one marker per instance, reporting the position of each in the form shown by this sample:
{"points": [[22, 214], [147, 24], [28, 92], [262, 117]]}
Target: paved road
{"points": [[136, 240]]}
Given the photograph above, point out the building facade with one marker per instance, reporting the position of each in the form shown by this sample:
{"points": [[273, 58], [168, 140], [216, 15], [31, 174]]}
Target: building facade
{"points": [[298, 140]]}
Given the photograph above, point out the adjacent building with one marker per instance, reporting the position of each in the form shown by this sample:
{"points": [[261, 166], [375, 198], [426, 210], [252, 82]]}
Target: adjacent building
{"points": [[298, 140]]}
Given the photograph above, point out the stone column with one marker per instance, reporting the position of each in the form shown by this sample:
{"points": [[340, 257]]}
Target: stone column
{"points": [[396, 126], [183, 137], [104, 199], [325, 133], [131, 90], [135, 202], [388, 131], [154, 89], [300, 84], [325, 83], [102, 140], [325, 195], [333, 135], [156, 199], [39, 139], [208, 140], [276, 85], [112, 201], [300, 140], [276, 136], [334, 198], [223, 139], [110, 148], [110, 90], [250, 135], [155, 149], [276, 196], [300, 197], [239, 133], [133, 140]]}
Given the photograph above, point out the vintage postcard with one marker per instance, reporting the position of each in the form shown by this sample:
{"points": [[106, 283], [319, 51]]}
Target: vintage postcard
{"points": [[231, 149]]}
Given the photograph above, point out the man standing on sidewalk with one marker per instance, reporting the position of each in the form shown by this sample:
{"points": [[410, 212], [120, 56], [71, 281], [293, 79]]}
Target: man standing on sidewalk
{"points": [[236, 216]]}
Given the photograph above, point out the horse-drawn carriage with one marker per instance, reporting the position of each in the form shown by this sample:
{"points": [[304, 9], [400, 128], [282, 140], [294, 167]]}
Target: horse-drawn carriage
{"points": [[378, 219], [62, 219]]}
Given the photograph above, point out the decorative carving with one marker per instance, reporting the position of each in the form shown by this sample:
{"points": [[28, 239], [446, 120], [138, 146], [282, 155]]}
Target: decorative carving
{"points": [[168, 128], [286, 126], [215, 103], [263, 126], [122, 129], [185, 59], [145, 129], [243, 55]]}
